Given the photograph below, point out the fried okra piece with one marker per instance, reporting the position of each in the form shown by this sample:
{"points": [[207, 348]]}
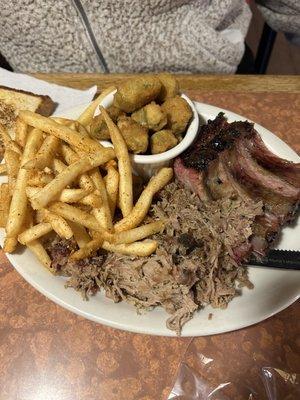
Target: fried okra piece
{"points": [[98, 128], [162, 141], [135, 135], [151, 116], [136, 92], [169, 87], [179, 114]]}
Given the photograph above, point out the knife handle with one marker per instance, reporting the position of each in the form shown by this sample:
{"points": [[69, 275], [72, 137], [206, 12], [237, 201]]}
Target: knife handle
{"points": [[286, 259]]}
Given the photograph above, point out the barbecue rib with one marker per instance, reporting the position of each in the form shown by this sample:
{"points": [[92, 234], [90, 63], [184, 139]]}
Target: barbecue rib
{"points": [[230, 160]]}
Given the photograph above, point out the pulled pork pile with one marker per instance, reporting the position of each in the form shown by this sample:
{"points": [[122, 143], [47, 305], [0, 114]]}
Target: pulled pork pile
{"points": [[195, 264]]}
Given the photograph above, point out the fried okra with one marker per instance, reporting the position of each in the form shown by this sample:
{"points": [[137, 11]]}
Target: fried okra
{"points": [[179, 114], [135, 93], [162, 141], [98, 128], [151, 116], [135, 135], [169, 87]]}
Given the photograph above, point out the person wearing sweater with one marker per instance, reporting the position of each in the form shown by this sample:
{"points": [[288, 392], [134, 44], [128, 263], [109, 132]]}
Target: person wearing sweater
{"points": [[188, 36]]}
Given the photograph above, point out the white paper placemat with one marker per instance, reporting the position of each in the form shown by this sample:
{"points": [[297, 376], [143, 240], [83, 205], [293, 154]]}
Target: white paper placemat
{"points": [[65, 97]]}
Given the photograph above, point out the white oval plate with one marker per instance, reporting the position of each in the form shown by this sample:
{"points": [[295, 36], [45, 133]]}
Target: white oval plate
{"points": [[273, 290]]}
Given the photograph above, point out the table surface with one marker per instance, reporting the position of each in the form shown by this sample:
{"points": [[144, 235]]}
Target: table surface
{"points": [[47, 352], [244, 83]]}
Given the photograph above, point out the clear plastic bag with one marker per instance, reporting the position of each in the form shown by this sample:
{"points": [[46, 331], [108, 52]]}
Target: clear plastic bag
{"points": [[216, 376]]}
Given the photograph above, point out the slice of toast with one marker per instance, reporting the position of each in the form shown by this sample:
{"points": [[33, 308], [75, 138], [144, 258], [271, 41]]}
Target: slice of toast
{"points": [[13, 100]]}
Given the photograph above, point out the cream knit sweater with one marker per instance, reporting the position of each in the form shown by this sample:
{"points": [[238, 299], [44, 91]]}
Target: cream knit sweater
{"points": [[205, 36]]}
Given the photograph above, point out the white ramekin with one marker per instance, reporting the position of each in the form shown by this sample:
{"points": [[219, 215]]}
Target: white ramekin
{"points": [[147, 165]]}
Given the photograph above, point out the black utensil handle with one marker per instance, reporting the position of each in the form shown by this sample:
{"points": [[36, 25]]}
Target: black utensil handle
{"points": [[286, 259]]}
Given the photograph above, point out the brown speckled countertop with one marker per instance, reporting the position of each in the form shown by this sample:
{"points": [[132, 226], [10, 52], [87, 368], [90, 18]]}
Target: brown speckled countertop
{"points": [[47, 352]]}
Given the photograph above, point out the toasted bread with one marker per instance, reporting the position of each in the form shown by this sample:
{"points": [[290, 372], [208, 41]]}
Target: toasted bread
{"points": [[13, 100]]}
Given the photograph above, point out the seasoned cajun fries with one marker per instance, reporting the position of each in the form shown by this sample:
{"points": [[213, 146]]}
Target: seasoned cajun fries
{"points": [[52, 189], [61, 180]]}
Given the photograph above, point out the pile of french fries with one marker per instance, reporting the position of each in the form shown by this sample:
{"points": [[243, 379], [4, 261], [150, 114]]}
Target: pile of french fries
{"points": [[54, 183]]}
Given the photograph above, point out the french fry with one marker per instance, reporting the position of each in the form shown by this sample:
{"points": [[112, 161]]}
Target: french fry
{"points": [[52, 189], [86, 183], [140, 249], [135, 234], [6, 139], [103, 214], [77, 126], [5, 197], [32, 146], [81, 128], [71, 157], [78, 152], [100, 216], [39, 216], [88, 114], [18, 205], [111, 164], [58, 224], [34, 232], [66, 196], [45, 154], [101, 157], [143, 204], [10, 244], [29, 219], [68, 154], [56, 185], [20, 132], [62, 121], [83, 218], [31, 191], [3, 169], [8, 142], [62, 132], [112, 187], [58, 166], [12, 162], [73, 195], [38, 249], [124, 163], [39, 178], [87, 250], [72, 126], [93, 200], [80, 234]]}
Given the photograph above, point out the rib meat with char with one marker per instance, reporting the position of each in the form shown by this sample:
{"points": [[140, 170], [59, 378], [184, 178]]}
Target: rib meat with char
{"points": [[230, 160]]}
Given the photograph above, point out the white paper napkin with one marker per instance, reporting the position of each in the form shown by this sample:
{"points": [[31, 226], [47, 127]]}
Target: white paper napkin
{"points": [[65, 97]]}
